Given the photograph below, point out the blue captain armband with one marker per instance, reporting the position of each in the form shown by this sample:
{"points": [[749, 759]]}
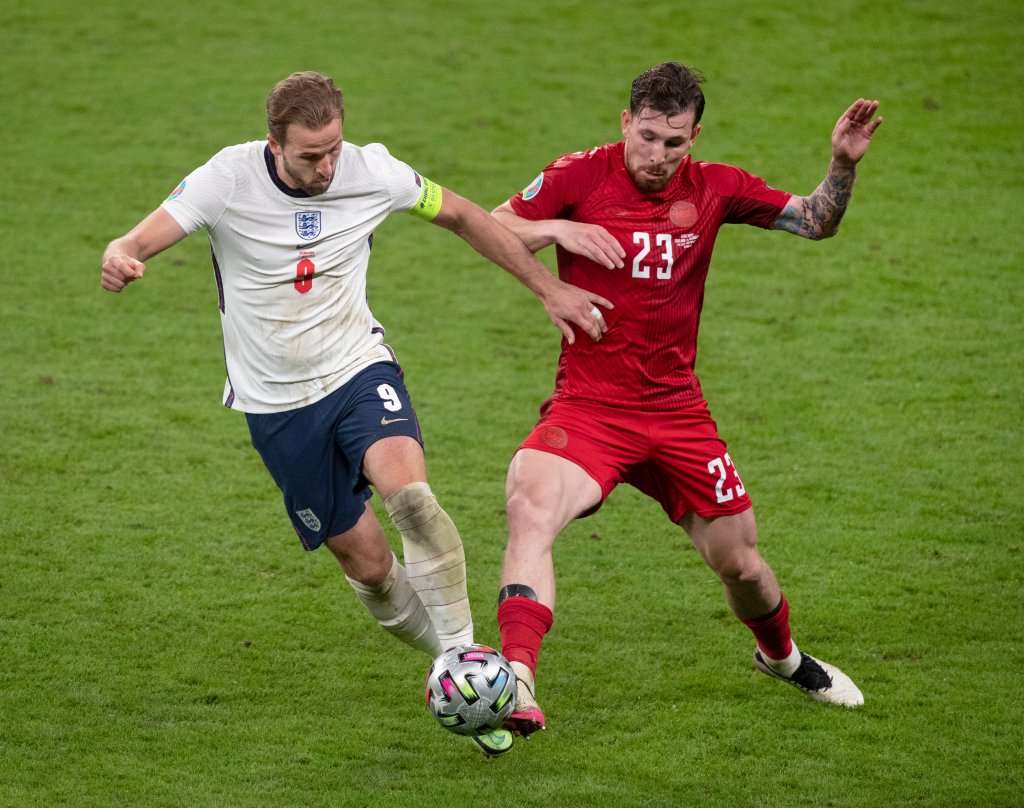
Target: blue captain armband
{"points": [[429, 203]]}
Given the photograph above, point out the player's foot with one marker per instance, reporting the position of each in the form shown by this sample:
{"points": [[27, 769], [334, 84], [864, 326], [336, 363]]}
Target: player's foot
{"points": [[527, 717], [496, 742], [819, 680]]}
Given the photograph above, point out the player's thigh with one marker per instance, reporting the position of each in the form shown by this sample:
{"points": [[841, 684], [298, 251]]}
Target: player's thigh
{"points": [[691, 469], [319, 485], [573, 459], [545, 491], [380, 433], [392, 463]]}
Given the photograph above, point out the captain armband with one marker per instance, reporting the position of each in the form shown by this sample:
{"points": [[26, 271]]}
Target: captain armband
{"points": [[429, 203]]}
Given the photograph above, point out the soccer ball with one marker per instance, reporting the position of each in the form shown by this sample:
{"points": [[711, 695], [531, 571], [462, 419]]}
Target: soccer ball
{"points": [[471, 689]]}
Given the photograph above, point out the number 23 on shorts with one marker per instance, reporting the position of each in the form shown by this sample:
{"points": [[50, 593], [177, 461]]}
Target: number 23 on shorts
{"points": [[720, 468]]}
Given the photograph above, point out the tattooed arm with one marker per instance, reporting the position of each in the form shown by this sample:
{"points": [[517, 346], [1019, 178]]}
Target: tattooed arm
{"points": [[818, 216]]}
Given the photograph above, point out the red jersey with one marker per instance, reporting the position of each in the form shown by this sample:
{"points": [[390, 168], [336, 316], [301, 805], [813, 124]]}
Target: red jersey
{"points": [[646, 359]]}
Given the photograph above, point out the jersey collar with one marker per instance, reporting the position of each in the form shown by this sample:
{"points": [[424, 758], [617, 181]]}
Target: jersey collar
{"points": [[268, 157]]}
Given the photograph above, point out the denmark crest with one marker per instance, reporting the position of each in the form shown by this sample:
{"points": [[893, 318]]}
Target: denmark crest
{"points": [[309, 519], [307, 224]]}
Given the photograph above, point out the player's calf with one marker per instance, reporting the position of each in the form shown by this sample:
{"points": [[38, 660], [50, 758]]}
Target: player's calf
{"points": [[435, 560]]}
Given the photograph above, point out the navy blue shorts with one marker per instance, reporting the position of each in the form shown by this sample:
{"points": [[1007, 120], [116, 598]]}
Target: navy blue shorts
{"points": [[315, 453]]}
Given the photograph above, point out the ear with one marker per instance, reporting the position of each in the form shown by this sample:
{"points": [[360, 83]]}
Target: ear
{"points": [[275, 147], [627, 121], [696, 131]]}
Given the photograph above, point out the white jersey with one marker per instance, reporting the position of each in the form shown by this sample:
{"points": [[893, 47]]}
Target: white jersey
{"points": [[291, 268]]}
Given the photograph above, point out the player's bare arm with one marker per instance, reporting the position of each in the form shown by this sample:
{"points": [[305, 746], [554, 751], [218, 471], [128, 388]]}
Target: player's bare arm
{"points": [[125, 257], [589, 240], [564, 303], [818, 216]]}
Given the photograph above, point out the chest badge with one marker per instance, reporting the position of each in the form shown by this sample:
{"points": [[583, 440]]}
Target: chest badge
{"points": [[307, 224], [682, 214]]}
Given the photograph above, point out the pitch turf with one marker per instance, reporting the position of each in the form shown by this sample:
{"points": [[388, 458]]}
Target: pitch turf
{"points": [[164, 641]]}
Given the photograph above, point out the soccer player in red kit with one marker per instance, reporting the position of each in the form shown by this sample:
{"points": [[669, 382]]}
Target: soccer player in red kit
{"points": [[635, 222]]}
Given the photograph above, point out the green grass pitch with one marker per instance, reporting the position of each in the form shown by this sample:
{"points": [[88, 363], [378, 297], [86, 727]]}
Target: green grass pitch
{"points": [[165, 642]]}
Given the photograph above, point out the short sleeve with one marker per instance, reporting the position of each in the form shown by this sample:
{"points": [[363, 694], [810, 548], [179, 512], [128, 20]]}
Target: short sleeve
{"points": [[748, 199], [404, 185], [202, 197], [557, 190]]}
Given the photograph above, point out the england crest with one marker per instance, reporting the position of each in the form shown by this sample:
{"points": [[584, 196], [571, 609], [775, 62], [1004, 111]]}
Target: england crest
{"points": [[307, 224], [309, 519]]}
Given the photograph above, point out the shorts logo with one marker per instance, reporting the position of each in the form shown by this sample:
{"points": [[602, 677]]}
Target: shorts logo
{"points": [[309, 519], [531, 190], [177, 191], [555, 437], [307, 224]]}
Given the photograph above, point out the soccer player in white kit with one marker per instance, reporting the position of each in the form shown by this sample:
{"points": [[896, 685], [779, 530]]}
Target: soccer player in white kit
{"points": [[290, 222]]}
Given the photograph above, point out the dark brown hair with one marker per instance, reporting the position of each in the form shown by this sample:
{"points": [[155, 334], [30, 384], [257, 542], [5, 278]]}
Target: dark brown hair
{"points": [[668, 88]]}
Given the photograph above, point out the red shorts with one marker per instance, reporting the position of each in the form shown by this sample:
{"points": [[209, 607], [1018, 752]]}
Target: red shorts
{"points": [[674, 457]]}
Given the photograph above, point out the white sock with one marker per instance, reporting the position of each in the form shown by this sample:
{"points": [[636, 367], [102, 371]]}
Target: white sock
{"points": [[784, 667], [435, 560], [399, 610]]}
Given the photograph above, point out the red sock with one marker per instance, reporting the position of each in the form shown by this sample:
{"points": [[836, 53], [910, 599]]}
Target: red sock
{"points": [[772, 631], [523, 624]]}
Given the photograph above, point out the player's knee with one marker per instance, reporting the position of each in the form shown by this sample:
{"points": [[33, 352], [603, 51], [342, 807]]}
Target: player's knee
{"points": [[373, 575], [363, 553], [525, 511], [411, 504], [368, 567], [739, 567]]}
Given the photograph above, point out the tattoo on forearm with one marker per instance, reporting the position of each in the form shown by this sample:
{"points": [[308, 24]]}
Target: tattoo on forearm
{"points": [[819, 215], [827, 204], [825, 207]]}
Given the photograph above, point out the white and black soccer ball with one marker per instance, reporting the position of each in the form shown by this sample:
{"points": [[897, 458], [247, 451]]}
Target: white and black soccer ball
{"points": [[471, 689]]}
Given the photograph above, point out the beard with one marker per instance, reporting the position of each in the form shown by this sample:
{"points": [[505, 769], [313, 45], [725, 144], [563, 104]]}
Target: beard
{"points": [[648, 183], [314, 186]]}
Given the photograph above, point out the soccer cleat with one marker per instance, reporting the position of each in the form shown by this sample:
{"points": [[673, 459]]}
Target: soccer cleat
{"points": [[527, 716], [494, 743], [819, 680]]}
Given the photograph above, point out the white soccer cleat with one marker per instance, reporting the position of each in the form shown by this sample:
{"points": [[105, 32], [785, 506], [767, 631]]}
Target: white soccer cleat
{"points": [[527, 717], [818, 680]]}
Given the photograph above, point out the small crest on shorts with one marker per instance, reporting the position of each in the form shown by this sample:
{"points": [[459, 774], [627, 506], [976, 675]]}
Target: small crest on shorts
{"points": [[309, 519], [307, 224], [555, 437]]}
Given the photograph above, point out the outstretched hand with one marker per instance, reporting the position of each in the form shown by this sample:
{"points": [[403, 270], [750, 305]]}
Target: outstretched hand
{"points": [[568, 304], [852, 134], [591, 241]]}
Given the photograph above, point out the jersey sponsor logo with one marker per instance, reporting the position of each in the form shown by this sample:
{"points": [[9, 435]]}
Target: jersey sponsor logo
{"points": [[307, 224], [387, 421], [531, 190], [309, 519], [177, 191]]}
